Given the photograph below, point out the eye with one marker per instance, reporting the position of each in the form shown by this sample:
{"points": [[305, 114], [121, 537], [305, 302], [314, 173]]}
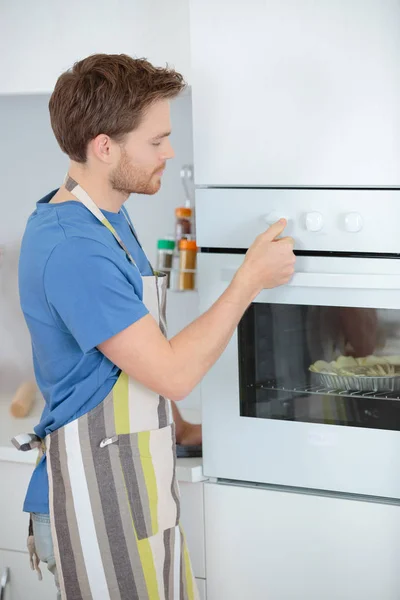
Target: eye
{"points": [[156, 144]]}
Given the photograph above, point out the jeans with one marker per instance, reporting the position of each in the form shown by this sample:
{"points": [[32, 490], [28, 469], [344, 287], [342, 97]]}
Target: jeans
{"points": [[44, 545]]}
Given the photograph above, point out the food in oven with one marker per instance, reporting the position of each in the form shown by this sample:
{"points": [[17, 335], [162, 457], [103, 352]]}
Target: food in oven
{"points": [[367, 366], [367, 374]]}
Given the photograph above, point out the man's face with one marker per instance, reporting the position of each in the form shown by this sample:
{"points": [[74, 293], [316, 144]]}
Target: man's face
{"points": [[144, 153]]}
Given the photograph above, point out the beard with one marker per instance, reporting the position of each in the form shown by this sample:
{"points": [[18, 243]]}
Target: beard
{"points": [[130, 180]]}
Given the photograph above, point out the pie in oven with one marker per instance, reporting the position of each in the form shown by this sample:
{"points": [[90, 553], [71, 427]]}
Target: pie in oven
{"points": [[367, 366]]}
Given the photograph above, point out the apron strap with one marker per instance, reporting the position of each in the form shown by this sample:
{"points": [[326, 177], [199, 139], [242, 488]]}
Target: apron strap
{"points": [[74, 187]]}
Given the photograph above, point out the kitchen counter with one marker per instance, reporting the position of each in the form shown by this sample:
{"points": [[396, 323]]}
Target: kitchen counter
{"points": [[188, 470]]}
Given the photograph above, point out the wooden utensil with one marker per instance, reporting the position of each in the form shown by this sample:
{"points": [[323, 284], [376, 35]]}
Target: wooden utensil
{"points": [[23, 399]]}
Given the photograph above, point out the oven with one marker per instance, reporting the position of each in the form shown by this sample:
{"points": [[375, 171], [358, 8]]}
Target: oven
{"points": [[307, 392]]}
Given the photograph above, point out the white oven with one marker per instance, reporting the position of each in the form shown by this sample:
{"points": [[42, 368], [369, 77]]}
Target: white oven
{"points": [[267, 417]]}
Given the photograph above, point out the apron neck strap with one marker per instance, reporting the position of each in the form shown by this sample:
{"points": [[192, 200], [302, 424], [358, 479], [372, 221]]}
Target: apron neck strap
{"points": [[75, 189]]}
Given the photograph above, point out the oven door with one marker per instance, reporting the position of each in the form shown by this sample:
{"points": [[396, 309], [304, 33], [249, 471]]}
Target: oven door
{"points": [[268, 418]]}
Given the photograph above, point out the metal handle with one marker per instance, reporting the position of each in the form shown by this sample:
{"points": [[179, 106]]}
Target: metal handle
{"points": [[3, 582], [187, 182], [349, 281]]}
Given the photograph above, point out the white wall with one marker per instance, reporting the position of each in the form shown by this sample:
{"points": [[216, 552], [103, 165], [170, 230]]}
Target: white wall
{"points": [[32, 165], [44, 38]]}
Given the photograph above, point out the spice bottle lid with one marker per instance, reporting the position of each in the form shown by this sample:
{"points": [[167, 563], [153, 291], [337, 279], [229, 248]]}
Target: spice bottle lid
{"points": [[181, 211], [166, 244], [188, 245]]}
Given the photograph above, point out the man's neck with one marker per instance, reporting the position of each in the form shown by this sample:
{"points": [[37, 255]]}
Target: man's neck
{"points": [[96, 186]]}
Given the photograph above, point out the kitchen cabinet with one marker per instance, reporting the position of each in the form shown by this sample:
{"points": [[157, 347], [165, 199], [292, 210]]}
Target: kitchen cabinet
{"points": [[277, 545], [15, 472], [23, 584], [42, 39], [201, 585], [192, 519], [296, 92], [13, 522]]}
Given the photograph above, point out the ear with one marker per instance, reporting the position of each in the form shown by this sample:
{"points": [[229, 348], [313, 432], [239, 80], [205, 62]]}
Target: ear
{"points": [[102, 148]]}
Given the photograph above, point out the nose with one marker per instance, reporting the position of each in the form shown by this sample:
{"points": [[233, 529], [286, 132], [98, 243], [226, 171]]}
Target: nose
{"points": [[168, 151]]}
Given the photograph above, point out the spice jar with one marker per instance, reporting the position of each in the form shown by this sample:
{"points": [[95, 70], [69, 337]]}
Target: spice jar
{"points": [[165, 252], [183, 223], [187, 264]]}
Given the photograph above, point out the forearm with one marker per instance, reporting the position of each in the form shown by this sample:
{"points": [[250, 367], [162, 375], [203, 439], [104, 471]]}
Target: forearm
{"points": [[173, 368], [197, 347]]}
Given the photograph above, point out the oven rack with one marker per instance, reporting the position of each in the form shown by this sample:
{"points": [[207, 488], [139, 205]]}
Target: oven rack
{"points": [[321, 390]]}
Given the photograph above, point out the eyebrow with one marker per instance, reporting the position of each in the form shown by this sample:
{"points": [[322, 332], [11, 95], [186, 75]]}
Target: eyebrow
{"points": [[162, 135]]}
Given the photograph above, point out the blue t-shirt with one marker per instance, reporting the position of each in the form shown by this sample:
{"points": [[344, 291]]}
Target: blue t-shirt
{"points": [[77, 289]]}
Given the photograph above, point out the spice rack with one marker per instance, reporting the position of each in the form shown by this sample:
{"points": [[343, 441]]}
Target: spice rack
{"points": [[179, 266], [177, 255]]}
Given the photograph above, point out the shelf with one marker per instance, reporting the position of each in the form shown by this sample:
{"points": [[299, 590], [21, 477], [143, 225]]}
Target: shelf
{"points": [[323, 391]]}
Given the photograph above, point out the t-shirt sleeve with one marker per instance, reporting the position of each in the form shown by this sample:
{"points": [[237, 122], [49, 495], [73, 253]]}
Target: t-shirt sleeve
{"points": [[88, 290]]}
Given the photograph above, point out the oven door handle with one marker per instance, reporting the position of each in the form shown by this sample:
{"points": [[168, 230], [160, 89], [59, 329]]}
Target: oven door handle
{"points": [[364, 281]]}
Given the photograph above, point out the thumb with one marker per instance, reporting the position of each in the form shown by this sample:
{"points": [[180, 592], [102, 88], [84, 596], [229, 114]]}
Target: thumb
{"points": [[275, 230]]}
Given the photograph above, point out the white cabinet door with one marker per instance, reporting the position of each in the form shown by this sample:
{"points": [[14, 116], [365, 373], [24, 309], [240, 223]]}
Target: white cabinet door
{"points": [[192, 519], [296, 92], [275, 545], [42, 39], [201, 586], [23, 583], [14, 523]]}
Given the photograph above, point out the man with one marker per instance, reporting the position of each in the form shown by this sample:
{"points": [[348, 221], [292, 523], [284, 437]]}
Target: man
{"points": [[94, 310]]}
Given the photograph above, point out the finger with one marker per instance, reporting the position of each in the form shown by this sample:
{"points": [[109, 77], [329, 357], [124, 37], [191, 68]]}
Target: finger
{"points": [[275, 230], [286, 240]]}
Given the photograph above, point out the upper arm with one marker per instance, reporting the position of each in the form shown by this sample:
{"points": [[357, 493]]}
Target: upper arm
{"points": [[146, 355]]}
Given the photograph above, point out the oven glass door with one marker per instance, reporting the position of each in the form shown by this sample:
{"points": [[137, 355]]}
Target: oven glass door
{"points": [[307, 393], [337, 365]]}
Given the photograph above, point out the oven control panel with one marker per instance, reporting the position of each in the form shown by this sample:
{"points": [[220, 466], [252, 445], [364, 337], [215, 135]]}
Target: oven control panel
{"points": [[314, 221], [318, 220]]}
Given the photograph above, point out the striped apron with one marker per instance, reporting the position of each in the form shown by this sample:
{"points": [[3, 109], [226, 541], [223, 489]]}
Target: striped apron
{"points": [[114, 498]]}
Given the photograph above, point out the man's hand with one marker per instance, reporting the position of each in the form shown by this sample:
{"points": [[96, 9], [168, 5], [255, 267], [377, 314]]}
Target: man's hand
{"points": [[190, 435], [269, 261], [187, 434]]}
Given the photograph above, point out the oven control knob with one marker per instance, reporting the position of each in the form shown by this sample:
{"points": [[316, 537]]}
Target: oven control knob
{"points": [[353, 222], [314, 221], [273, 217]]}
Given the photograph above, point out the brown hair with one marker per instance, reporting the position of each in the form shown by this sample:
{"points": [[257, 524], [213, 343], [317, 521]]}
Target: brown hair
{"points": [[106, 93]]}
